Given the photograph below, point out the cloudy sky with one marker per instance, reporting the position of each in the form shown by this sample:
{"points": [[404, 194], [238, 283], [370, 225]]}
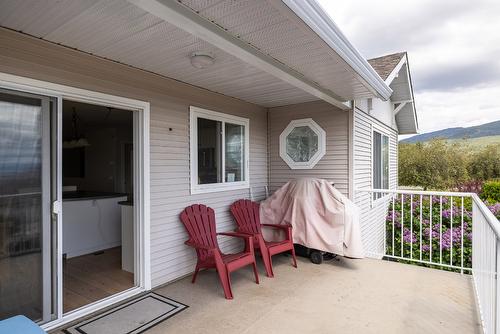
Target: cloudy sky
{"points": [[453, 48]]}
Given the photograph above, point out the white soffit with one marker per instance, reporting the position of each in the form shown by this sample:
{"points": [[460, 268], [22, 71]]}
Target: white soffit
{"points": [[400, 82], [406, 116], [120, 31], [279, 30], [406, 119], [192, 21]]}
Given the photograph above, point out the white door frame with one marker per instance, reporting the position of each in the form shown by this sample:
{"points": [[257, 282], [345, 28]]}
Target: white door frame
{"points": [[141, 182]]}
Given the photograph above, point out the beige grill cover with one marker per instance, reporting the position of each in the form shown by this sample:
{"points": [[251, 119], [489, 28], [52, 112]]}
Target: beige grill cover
{"points": [[322, 218]]}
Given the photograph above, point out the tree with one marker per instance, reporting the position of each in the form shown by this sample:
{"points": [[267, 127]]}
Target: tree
{"points": [[485, 164], [432, 165]]}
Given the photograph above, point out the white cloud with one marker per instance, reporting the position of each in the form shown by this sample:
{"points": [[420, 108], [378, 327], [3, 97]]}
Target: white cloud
{"points": [[458, 108], [453, 48]]}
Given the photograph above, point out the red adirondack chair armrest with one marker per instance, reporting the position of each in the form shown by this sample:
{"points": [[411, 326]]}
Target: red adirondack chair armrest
{"points": [[281, 226], [236, 234], [248, 238], [249, 233], [195, 245], [286, 227]]}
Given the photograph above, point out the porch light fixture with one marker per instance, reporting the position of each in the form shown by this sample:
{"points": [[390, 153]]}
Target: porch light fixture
{"points": [[302, 144], [200, 59]]}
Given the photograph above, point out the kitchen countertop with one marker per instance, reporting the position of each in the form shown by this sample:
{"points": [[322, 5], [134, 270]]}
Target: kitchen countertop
{"points": [[88, 195]]}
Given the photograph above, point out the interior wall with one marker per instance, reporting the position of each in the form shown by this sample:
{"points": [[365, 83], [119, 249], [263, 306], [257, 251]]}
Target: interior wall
{"points": [[104, 159], [169, 138], [334, 166]]}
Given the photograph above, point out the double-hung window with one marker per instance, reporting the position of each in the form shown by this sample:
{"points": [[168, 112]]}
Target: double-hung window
{"points": [[219, 151], [380, 170]]}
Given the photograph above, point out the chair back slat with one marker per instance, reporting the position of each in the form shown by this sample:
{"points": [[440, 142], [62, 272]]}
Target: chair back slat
{"points": [[246, 214], [199, 221]]}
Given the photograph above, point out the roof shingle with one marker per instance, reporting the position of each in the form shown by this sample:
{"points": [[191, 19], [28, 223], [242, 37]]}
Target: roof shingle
{"points": [[384, 65]]}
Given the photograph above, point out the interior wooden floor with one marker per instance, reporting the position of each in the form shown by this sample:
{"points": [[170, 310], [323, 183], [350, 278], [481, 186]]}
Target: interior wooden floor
{"points": [[92, 277]]}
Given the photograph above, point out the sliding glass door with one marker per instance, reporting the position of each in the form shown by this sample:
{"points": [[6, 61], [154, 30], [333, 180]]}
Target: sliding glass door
{"points": [[28, 167]]}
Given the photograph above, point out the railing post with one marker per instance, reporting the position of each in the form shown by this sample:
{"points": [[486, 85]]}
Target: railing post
{"points": [[497, 287]]}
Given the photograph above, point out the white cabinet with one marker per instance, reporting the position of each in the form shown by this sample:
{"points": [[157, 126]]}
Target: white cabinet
{"points": [[91, 225]]}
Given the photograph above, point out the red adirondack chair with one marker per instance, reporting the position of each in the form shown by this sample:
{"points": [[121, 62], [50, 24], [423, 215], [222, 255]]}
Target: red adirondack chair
{"points": [[246, 214], [199, 221]]}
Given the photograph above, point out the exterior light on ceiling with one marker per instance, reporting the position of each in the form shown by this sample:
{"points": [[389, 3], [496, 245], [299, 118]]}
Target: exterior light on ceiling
{"points": [[201, 59]]}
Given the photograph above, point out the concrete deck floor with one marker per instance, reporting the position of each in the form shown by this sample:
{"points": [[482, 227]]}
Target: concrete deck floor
{"points": [[340, 296]]}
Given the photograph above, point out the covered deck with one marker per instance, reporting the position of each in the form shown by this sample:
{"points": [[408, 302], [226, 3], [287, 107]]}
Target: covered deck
{"points": [[339, 296]]}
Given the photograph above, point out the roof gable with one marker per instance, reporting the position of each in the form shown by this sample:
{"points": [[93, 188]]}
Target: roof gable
{"points": [[395, 71]]}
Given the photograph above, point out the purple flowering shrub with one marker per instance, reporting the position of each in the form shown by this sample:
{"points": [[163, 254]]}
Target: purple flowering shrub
{"points": [[495, 208], [473, 186], [438, 240]]}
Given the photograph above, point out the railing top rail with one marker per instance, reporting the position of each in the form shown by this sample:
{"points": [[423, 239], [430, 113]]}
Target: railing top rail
{"points": [[416, 192], [488, 215]]}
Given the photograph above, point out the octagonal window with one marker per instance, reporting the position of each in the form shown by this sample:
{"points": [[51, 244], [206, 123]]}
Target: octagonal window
{"points": [[302, 144]]}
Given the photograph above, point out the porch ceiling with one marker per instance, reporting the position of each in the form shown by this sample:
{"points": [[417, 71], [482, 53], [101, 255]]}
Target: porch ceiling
{"points": [[121, 31]]}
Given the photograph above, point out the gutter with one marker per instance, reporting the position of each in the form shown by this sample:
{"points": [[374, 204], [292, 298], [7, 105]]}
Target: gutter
{"points": [[321, 23]]}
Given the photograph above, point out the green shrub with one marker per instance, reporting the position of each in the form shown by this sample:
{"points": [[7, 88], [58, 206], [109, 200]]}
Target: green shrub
{"points": [[491, 191]]}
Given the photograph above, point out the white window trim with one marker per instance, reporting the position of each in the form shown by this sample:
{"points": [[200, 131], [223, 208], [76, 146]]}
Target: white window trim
{"points": [[194, 114], [309, 122], [380, 130]]}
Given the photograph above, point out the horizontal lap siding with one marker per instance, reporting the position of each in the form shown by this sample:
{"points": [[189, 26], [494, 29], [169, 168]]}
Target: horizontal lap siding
{"points": [[372, 215], [170, 101], [334, 166]]}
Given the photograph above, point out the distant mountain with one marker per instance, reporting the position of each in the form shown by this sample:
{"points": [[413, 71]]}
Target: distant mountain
{"points": [[483, 130]]}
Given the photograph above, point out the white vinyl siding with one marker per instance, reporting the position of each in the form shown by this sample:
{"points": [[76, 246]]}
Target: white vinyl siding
{"points": [[334, 165], [169, 138], [363, 127]]}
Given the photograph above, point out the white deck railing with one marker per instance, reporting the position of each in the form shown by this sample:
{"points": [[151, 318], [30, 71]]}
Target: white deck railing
{"points": [[447, 230], [486, 264]]}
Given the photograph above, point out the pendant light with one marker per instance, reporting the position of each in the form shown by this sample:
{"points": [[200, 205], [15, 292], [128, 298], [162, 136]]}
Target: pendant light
{"points": [[76, 141]]}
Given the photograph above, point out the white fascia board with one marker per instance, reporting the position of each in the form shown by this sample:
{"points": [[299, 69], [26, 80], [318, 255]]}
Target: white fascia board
{"points": [[320, 22], [414, 110], [184, 18]]}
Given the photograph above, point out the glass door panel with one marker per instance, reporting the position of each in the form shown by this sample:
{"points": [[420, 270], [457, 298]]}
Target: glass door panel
{"points": [[26, 253]]}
